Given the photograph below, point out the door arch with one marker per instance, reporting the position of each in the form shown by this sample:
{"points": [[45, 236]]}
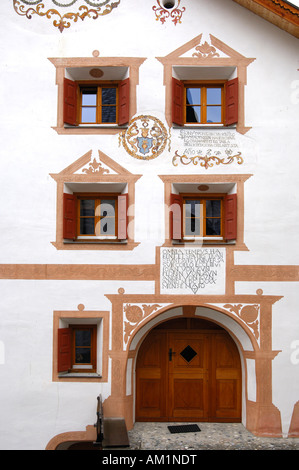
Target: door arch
{"points": [[188, 369]]}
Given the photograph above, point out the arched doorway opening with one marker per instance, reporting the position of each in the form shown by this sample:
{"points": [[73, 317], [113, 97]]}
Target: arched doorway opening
{"points": [[188, 369]]}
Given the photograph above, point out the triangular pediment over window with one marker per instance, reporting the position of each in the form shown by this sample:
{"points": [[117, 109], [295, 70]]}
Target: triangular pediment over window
{"points": [[108, 185], [206, 58]]}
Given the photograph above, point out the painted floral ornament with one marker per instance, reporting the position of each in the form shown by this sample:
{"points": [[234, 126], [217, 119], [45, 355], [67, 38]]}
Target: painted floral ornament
{"points": [[64, 12]]}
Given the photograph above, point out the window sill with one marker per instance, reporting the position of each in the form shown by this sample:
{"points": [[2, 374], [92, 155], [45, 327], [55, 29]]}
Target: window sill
{"points": [[67, 130], [200, 242], [204, 126], [77, 375], [97, 241]]}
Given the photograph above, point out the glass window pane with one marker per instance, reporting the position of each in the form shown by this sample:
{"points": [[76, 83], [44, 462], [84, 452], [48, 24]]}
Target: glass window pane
{"points": [[193, 95], [213, 113], [89, 115], [87, 226], [213, 227], [213, 208], [192, 227], [83, 355], [83, 337], [109, 114], [89, 97], [87, 207], [213, 95], [193, 114], [107, 207], [108, 95], [107, 226], [192, 208]]}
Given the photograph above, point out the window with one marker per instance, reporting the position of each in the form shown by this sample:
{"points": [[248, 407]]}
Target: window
{"points": [[203, 217], [77, 349], [101, 103], [95, 216], [205, 103], [80, 345], [98, 104], [210, 218]]}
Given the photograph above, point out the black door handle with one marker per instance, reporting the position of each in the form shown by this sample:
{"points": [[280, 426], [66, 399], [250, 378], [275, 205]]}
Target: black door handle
{"points": [[170, 354]]}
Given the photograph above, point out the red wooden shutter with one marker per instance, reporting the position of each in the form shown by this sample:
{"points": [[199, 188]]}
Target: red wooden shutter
{"points": [[177, 102], [64, 349], [122, 230], [175, 216], [69, 216], [70, 102], [231, 101], [124, 102], [231, 217]]}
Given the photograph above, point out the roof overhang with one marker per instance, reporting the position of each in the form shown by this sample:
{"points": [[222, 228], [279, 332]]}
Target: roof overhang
{"points": [[278, 12]]}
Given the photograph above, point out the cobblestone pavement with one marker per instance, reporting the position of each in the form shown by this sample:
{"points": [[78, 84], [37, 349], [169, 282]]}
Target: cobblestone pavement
{"points": [[212, 436]]}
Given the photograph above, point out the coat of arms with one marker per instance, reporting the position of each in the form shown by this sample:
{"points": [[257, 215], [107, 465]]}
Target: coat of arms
{"points": [[145, 138]]}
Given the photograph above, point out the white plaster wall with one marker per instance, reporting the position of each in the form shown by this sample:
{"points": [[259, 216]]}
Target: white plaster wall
{"points": [[33, 408]]}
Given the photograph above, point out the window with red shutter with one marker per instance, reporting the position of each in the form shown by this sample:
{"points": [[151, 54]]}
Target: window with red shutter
{"points": [[69, 216], [77, 349], [175, 216], [205, 103], [70, 102], [124, 102], [97, 217], [123, 217], [231, 217], [231, 102], [177, 102], [64, 350], [203, 217]]}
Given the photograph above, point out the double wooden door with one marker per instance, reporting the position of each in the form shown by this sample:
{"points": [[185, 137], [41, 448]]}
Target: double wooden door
{"points": [[188, 375]]}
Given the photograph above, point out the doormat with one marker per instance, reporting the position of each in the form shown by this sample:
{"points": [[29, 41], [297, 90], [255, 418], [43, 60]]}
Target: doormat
{"points": [[184, 428]]}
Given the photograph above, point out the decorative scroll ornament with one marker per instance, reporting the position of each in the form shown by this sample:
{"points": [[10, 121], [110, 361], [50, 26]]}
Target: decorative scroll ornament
{"points": [[92, 9], [145, 138], [95, 167], [173, 12], [207, 160]]}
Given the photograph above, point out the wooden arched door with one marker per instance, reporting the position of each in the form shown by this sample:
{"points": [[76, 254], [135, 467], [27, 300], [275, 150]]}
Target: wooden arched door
{"points": [[188, 370]]}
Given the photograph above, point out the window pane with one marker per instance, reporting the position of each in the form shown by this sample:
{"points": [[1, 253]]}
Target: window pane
{"points": [[193, 95], [107, 207], [83, 337], [213, 208], [192, 227], [213, 113], [107, 226], [83, 356], [89, 97], [213, 95], [87, 226], [108, 95], [192, 217], [213, 227], [88, 115], [192, 208], [109, 114], [193, 114], [87, 207]]}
